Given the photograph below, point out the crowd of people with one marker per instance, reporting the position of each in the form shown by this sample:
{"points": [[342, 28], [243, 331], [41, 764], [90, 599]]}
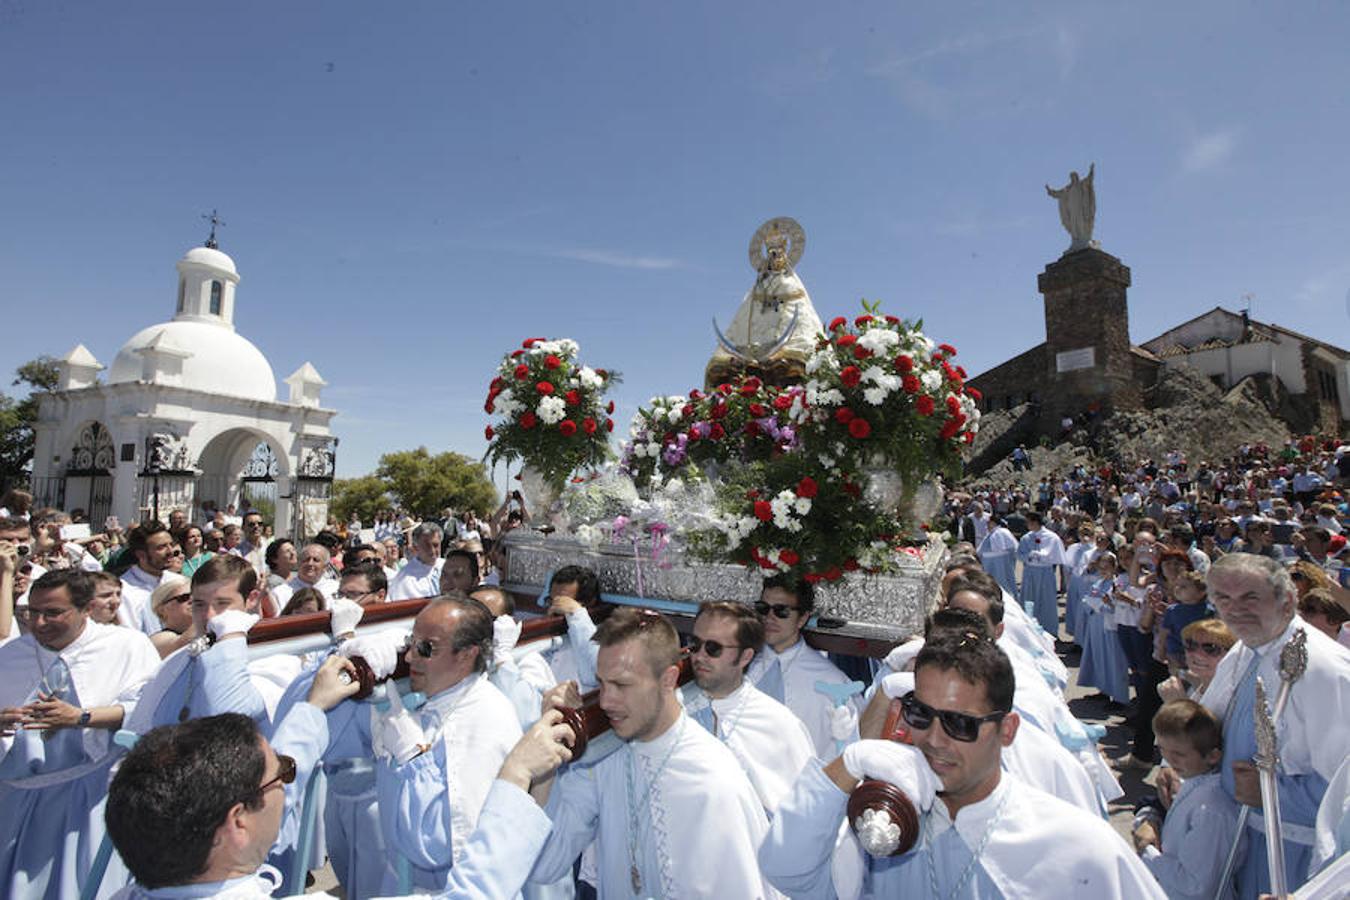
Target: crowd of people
{"points": [[734, 746]]}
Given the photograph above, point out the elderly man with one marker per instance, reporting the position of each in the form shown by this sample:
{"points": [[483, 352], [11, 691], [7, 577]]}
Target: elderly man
{"points": [[771, 744], [985, 833], [421, 577], [672, 812], [1257, 600], [789, 671], [432, 767], [151, 545], [65, 687], [311, 571]]}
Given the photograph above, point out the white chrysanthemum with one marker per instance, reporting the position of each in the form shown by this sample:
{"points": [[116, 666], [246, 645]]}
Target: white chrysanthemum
{"points": [[552, 410], [875, 395], [829, 397], [814, 361], [878, 340], [802, 505], [588, 377], [675, 414], [873, 374], [931, 380], [508, 406]]}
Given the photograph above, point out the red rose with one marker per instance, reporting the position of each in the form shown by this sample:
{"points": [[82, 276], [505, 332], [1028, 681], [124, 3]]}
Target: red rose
{"points": [[530, 342], [859, 428], [544, 388], [847, 340], [974, 394], [807, 487], [488, 432], [609, 424], [528, 420], [692, 435], [695, 394], [687, 410], [567, 427], [552, 362], [572, 398], [517, 354], [763, 510], [788, 557], [953, 405], [851, 565], [812, 578], [947, 349], [861, 352], [911, 384], [852, 489], [782, 402], [718, 411], [924, 405], [609, 407], [750, 386], [724, 389], [602, 373], [588, 425], [949, 429], [489, 406], [904, 363], [717, 432], [758, 410], [752, 429], [851, 376], [893, 320], [496, 384], [862, 320], [961, 372], [837, 323], [833, 573], [843, 415], [968, 437], [522, 372]]}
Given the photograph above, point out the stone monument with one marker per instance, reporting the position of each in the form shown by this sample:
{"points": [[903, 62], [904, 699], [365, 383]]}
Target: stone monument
{"points": [[775, 328]]}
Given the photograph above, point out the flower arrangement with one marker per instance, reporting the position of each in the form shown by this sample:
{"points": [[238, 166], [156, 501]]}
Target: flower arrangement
{"points": [[694, 436], [550, 409]]}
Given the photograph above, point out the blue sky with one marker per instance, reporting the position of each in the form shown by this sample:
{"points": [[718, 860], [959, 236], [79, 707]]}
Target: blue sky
{"points": [[412, 188]]}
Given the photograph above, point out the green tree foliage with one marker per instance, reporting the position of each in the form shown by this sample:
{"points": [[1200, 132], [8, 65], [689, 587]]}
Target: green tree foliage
{"points": [[424, 485], [17, 417], [364, 496]]}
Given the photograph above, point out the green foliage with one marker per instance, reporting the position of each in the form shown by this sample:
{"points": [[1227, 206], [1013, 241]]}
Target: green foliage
{"points": [[17, 417], [424, 485], [364, 496]]}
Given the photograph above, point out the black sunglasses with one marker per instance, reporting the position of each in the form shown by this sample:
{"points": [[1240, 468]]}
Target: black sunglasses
{"points": [[712, 648], [285, 773], [958, 725], [781, 610], [1205, 647], [425, 648]]}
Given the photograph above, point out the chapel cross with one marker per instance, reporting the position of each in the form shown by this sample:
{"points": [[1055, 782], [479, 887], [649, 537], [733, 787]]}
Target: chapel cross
{"points": [[215, 220]]}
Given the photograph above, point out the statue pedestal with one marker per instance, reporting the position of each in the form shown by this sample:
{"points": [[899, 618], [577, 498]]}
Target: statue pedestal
{"points": [[1090, 364]]}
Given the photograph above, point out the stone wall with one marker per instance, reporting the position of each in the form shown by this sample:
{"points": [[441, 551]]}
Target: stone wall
{"points": [[1021, 379]]}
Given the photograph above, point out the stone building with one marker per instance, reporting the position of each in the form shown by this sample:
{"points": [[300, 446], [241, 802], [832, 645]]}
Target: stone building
{"points": [[188, 413]]}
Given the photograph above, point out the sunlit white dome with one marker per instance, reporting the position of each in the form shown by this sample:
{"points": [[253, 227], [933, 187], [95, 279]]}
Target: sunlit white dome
{"points": [[216, 360]]}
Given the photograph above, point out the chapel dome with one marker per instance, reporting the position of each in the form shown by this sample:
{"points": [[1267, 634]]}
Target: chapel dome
{"points": [[210, 256], [214, 360]]}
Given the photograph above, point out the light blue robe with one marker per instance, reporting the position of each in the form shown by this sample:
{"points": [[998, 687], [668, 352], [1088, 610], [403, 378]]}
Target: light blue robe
{"points": [[215, 682], [1102, 664], [1041, 551]]}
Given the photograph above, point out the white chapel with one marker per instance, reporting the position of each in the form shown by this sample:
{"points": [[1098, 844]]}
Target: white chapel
{"points": [[188, 413]]}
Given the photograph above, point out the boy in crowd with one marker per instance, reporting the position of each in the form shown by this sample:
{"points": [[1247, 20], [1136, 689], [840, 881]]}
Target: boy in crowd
{"points": [[1192, 605]]}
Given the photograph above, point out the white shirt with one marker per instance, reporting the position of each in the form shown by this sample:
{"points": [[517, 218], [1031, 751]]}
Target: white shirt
{"points": [[1196, 835], [802, 667], [416, 580], [135, 611]]}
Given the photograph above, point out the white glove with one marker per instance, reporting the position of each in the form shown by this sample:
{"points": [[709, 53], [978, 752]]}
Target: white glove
{"points": [[344, 616], [903, 655], [897, 684], [505, 635], [400, 736], [899, 764], [380, 650], [231, 621], [843, 722]]}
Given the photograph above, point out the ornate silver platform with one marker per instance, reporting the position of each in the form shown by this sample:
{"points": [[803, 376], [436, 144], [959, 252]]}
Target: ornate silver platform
{"points": [[877, 607]]}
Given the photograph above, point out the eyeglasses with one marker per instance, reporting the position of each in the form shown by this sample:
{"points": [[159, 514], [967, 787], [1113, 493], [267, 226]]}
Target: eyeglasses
{"points": [[48, 614], [781, 610], [712, 648], [180, 598], [175, 552], [354, 595], [1206, 647], [425, 648], [285, 774], [958, 725]]}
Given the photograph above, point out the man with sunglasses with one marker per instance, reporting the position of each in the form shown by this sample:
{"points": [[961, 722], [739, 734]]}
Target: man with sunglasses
{"points": [[65, 687], [787, 669], [986, 834], [771, 744]]}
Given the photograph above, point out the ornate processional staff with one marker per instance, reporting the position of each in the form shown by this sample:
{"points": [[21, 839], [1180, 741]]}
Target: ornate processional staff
{"points": [[1267, 761]]}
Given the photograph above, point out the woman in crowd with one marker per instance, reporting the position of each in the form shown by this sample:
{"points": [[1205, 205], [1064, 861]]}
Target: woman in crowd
{"points": [[1206, 643], [1319, 608], [171, 601], [190, 538], [305, 600], [281, 560]]}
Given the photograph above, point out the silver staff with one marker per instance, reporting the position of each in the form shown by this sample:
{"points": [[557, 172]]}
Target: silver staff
{"points": [[1267, 760], [1293, 663]]}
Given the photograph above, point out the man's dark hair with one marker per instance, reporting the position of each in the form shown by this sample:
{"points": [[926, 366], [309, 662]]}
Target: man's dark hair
{"points": [[13, 523], [1033, 516], [980, 582], [474, 628], [461, 553], [77, 582], [508, 602], [975, 659], [588, 584], [749, 626], [373, 572], [961, 561], [326, 539], [349, 556], [273, 549], [960, 621], [227, 567], [659, 638], [803, 590], [138, 535], [175, 788]]}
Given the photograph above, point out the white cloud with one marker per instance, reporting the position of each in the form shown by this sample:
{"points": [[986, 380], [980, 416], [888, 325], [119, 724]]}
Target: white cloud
{"points": [[618, 259], [1209, 151]]}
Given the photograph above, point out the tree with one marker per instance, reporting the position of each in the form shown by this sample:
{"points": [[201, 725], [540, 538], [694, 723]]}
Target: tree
{"points": [[364, 496], [17, 417], [424, 485]]}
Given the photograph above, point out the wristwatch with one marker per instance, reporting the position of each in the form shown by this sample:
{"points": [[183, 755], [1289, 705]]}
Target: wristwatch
{"points": [[85, 715]]}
